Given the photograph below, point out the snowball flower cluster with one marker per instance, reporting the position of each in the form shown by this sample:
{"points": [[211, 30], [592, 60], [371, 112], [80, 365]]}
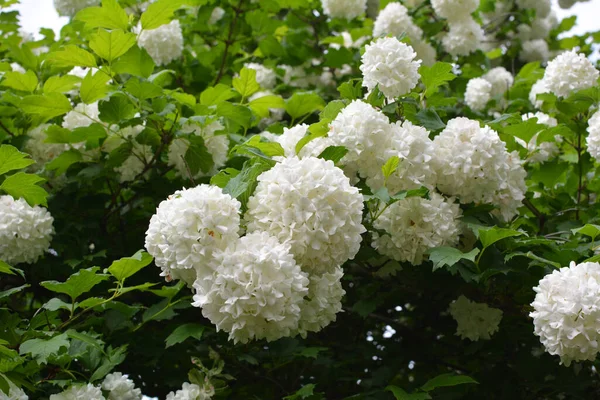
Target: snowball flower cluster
{"points": [[25, 231], [474, 165], [348, 9], [394, 20], [81, 116], [478, 93], [542, 7], [391, 64], [188, 227], [455, 10], [14, 393], [535, 50], [80, 392], [539, 87], [265, 77], [310, 204], [256, 291], [593, 139], [164, 44], [141, 155], [120, 387], [191, 391], [41, 151], [414, 225], [69, 8], [475, 320], [568, 72], [566, 313], [463, 37], [500, 79]]}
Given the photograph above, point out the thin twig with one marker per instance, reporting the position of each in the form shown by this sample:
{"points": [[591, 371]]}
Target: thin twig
{"points": [[6, 129], [540, 216], [228, 42]]}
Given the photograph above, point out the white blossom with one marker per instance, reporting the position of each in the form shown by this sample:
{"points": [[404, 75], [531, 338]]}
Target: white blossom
{"points": [[69, 8], [542, 7], [141, 155], [455, 10], [500, 79], [394, 20], [414, 225], [568, 72], [81, 116], [593, 139], [566, 313], [25, 231], [41, 151], [14, 393], [120, 387], [535, 50], [311, 205], [478, 93], [463, 37], [265, 77], [295, 76], [538, 88], [348, 9], [188, 227], [191, 391], [475, 320], [425, 52], [164, 44], [216, 15], [80, 392]]}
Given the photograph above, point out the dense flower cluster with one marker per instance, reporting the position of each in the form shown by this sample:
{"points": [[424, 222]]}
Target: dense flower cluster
{"points": [[348, 9], [566, 313], [570, 71], [164, 44], [478, 93], [475, 320], [454, 10], [593, 139], [394, 20], [191, 391], [463, 37], [120, 387], [41, 151], [79, 392], [69, 8]]}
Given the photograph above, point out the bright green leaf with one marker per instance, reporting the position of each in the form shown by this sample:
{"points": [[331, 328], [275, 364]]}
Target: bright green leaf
{"points": [[110, 16], [127, 266], [77, 284], [61, 84], [41, 349], [183, 332], [400, 394], [301, 104], [445, 380], [435, 76], [264, 104], [26, 82], [246, 84], [72, 56], [94, 87], [136, 62], [12, 159], [61, 163], [390, 166], [492, 235], [590, 230], [113, 44], [334, 153], [25, 186], [448, 256], [47, 106], [159, 13]]}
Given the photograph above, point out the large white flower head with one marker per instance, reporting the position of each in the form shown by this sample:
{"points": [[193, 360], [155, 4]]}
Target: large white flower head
{"points": [[311, 205], [566, 313], [14, 393], [81, 116], [535, 50], [322, 303], [80, 392], [191, 391], [542, 152], [478, 93], [265, 77], [538, 88], [25, 231], [463, 37], [348, 9], [120, 387], [455, 10], [414, 225], [41, 151], [216, 144], [475, 320], [391, 64], [500, 79], [473, 165], [542, 7], [425, 52], [593, 139], [256, 290], [164, 44], [394, 20], [69, 8], [570, 71], [290, 138], [188, 227]]}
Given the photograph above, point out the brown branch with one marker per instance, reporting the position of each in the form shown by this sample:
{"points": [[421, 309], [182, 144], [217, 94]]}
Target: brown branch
{"points": [[540, 216], [6, 129], [229, 41]]}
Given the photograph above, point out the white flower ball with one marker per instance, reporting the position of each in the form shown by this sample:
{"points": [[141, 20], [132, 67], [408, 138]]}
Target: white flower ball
{"points": [[500, 79], [140, 156], [463, 37], [16, 67], [41, 151], [391, 64], [80, 392], [535, 50], [120, 387], [81, 116], [191, 391], [538, 88], [14, 393], [322, 303], [475, 320], [566, 313], [473, 165], [478, 93], [455, 10], [568, 72], [265, 77], [69, 8], [593, 139], [414, 225], [425, 52], [188, 227], [542, 7], [310, 204], [394, 20], [290, 138], [348, 9], [25, 231], [216, 144], [164, 44], [216, 15], [256, 290]]}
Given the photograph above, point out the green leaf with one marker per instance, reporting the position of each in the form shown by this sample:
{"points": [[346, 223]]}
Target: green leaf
{"points": [[400, 394], [136, 62], [127, 266], [183, 332], [110, 16], [56, 304], [490, 236], [77, 284], [115, 357], [305, 392], [11, 291], [47, 106], [159, 13], [11, 159], [448, 256], [25, 186], [445, 380], [223, 177], [589, 230], [238, 114], [301, 104], [116, 109], [5, 268], [390, 166], [71, 56], [268, 149], [246, 84], [197, 156], [94, 87], [351, 90], [61, 84], [41, 349], [242, 186], [435, 76], [216, 94], [331, 110], [263, 105], [312, 352], [62, 163], [113, 44], [143, 90], [430, 119], [334, 153], [310, 137], [26, 82]]}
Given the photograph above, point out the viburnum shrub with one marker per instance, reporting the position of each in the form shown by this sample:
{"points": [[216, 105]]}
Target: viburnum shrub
{"points": [[299, 199]]}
